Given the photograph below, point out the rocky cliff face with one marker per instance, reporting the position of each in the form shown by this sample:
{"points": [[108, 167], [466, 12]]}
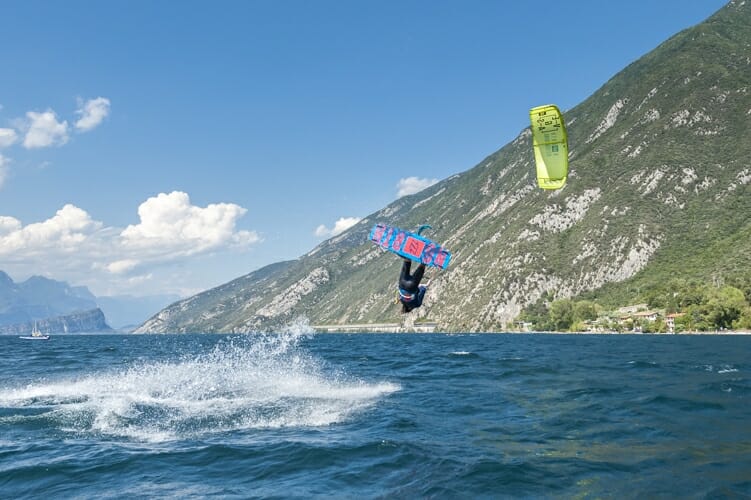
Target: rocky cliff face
{"points": [[91, 321], [660, 183]]}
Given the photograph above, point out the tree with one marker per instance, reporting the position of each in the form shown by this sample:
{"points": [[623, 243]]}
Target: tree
{"points": [[562, 314], [646, 326], [585, 310], [690, 295], [682, 323], [538, 315], [744, 321], [724, 307], [659, 326]]}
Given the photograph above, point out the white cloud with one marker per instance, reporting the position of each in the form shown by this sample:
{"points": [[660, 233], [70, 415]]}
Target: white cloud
{"points": [[8, 225], [122, 266], [92, 113], [73, 246], [169, 223], [412, 185], [8, 137], [62, 233], [341, 225], [44, 130]]}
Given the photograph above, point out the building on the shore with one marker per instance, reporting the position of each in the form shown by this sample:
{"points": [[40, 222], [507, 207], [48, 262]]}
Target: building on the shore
{"points": [[646, 315], [670, 321]]}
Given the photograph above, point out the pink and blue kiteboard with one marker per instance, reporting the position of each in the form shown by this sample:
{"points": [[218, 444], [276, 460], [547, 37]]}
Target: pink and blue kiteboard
{"points": [[410, 246]]}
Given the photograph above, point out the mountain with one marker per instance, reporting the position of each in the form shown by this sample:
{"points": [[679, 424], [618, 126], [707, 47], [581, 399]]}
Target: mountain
{"points": [[91, 321], [659, 187], [39, 298], [127, 311]]}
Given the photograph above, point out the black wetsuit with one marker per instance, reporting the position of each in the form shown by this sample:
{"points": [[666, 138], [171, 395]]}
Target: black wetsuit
{"points": [[410, 284]]}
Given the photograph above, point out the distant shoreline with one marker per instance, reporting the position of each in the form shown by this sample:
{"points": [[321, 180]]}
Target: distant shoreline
{"points": [[717, 333], [723, 333], [633, 333]]}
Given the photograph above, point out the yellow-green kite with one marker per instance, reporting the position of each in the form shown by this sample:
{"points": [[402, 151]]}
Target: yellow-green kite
{"points": [[550, 143]]}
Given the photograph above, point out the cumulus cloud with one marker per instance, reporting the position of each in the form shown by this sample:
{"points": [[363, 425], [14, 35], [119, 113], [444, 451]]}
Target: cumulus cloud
{"points": [[43, 130], [62, 233], [412, 185], [72, 245], [8, 225], [341, 225], [8, 137], [92, 113], [169, 223]]}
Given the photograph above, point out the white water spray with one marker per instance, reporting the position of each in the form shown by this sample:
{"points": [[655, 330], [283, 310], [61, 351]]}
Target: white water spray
{"points": [[250, 382]]}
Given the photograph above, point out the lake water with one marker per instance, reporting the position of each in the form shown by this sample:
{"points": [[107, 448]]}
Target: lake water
{"points": [[369, 416]]}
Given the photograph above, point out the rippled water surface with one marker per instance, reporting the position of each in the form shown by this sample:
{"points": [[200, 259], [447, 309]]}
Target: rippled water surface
{"points": [[397, 416]]}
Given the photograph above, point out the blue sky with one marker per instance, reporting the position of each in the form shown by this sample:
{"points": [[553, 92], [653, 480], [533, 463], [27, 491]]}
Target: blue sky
{"points": [[167, 147]]}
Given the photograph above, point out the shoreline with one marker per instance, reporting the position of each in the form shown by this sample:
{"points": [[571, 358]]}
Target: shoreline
{"points": [[385, 332], [718, 333]]}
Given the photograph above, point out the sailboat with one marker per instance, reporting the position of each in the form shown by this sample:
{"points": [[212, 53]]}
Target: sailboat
{"points": [[35, 334]]}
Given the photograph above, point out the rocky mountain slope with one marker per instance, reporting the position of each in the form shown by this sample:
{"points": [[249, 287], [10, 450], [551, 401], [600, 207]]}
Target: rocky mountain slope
{"points": [[91, 321], [126, 312], [660, 184]]}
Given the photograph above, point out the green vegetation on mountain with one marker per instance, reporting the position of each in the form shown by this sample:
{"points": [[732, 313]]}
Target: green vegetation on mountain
{"points": [[659, 189], [693, 306]]}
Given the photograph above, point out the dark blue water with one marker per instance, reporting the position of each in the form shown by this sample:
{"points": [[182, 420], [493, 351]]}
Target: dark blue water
{"points": [[369, 416]]}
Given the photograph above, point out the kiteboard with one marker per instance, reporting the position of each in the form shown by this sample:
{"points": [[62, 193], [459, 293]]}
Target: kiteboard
{"points": [[410, 245], [550, 142]]}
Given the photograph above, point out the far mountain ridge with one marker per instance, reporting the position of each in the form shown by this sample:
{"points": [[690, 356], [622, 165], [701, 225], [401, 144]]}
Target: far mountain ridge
{"points": [[91, 321], [659, 186], [126, 312], [39, 299]]}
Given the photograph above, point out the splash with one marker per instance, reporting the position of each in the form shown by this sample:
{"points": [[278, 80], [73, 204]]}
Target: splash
{"points": [[256, 381], [298, 327]]}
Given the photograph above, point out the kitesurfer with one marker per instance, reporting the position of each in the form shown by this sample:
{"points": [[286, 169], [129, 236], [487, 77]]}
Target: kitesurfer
{"points": [[411, 292]]}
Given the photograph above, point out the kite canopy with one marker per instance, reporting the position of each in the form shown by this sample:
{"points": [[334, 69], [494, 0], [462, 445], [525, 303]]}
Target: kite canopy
{"points": [[550, 142]]}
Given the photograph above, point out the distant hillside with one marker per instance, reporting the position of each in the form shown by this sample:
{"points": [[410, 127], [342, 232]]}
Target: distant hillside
{"points": [[123, 311], [660, 186], [39, 298], [81, 322]]}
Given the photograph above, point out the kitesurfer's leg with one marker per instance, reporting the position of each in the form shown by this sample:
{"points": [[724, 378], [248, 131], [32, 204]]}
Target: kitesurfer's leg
{"points": [[417, 277], [407, 282], [404, 275]]}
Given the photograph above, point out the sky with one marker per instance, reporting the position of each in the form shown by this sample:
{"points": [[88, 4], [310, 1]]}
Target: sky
{"points": [[155, 147]]}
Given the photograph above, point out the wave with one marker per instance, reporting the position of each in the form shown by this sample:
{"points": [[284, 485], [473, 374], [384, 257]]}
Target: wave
{"points": [[248, 382]]}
